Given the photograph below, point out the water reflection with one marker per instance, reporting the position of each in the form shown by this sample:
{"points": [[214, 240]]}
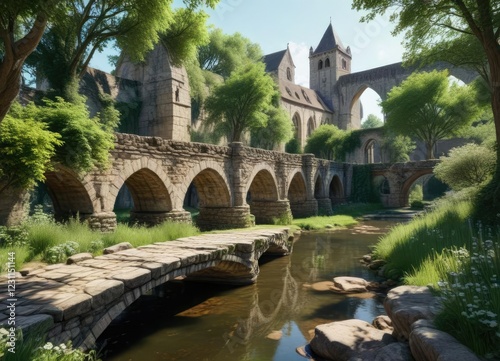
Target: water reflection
{"points": [[197, 321]]}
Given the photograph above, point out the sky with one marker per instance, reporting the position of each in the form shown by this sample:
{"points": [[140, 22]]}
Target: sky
{"points": [[301, 23]]}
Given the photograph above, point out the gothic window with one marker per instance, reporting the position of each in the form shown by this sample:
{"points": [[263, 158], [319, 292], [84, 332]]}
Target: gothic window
{"points": [[288, 91], [310, 126], [288, 74], [320, 64], [327, 63], [344, 64]]}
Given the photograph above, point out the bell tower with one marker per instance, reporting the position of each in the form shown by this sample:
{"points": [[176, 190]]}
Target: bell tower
{"points": [[327, 63]]}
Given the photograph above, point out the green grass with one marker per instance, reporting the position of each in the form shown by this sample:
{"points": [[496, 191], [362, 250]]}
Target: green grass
{"points": [[324, 222], [356, 210], [407, 246]]}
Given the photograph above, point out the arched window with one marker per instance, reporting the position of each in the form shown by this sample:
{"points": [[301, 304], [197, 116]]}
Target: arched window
{"points": [[320, 64], [288, 74], [370, 152], [327, 63], [344, 64], [310, 126]]}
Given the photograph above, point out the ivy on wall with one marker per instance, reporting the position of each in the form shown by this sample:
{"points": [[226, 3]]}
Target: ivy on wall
{"points": [[362, 187]]}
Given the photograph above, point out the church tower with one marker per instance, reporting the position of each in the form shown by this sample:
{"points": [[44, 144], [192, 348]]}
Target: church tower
{"points": [[327, 63]]}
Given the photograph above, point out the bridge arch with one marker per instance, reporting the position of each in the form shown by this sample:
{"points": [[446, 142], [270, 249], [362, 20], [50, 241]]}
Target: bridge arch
{"points": [[336, 190], [263, 195], [70, 195], [407, 185], [297, 193]]}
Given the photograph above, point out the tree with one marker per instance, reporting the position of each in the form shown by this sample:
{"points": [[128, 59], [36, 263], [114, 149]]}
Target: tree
{"points": [[326, 142], [468, 166], [240, 104], [372, 121], [428, 24], [26, 148], [397, 147], [427, 107], [279, 128], [16, 45], [92, 25], [86, 141]]}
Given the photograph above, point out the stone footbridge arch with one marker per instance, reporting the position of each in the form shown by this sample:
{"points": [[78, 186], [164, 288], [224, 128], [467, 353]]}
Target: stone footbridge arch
{"points": [[78, 301]]}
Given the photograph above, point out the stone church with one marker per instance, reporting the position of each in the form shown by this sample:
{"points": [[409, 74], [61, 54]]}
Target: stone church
{"points": [[310, 107]]}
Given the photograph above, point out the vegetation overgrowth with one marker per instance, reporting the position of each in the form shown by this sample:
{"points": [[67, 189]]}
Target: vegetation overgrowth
{"points": [[40, 238], [460, 261]]}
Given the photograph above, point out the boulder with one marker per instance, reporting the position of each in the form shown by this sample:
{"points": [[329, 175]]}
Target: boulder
{"points": [[430, 344], [348, 340], [383, 323], [117, 247], [350, 285], [407, 304], [79, 257]]}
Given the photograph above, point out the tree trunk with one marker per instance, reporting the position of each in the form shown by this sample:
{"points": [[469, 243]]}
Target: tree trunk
{"points": [[429, 150], [13, 60]]}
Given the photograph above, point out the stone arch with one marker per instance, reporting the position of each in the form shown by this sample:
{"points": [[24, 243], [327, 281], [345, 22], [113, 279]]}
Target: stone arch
{"points": [[405, 190], [297, 194], [311, 126], [336, 190], [69, 194], [212, 187], [262, 184], [319, 189], [327, 63]]}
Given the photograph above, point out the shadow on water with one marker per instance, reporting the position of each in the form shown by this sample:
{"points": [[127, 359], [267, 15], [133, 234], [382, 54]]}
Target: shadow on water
{"points": [[264, 321]]}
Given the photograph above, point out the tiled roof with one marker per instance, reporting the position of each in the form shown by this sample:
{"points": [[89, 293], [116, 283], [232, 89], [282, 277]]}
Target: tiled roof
{"points": [[302, 95], [273, 60], [329, 41]]}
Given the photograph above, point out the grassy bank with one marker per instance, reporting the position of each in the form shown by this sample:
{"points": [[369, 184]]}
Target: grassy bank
{"points": [[460, 261], [42, 239]]}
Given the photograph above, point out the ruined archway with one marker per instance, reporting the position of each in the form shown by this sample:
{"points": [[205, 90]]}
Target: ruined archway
{"points": [[372, 152], [336, 191]]}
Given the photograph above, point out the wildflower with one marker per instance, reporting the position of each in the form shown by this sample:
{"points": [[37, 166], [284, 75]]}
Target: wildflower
{"points": [[48, 346], [491, 314]]}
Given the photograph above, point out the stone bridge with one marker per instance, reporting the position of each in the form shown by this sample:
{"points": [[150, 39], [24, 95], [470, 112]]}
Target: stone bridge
{"points": [[233, 182], [398, 179], [350, 87], [78, 301]]}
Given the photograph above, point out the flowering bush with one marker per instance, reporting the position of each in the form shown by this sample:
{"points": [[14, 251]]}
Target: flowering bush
{"points": [[470, 295], [63, 352]]}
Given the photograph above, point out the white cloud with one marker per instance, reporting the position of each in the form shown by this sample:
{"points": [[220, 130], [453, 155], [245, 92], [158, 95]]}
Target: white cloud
{"points": [[300, 56]]}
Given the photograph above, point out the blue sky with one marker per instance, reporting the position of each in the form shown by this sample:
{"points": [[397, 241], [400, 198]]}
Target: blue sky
{"points": [[301, 23]]}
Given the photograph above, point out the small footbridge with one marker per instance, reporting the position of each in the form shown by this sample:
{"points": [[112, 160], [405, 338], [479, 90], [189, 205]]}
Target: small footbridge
{"points": [[78, 301]]}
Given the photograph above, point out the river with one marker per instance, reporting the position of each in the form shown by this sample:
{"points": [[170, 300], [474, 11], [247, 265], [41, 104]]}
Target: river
{"points": [[262, 322]]}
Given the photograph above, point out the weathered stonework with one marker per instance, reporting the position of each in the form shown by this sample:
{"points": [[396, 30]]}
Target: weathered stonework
{"points": [[78, 301]]}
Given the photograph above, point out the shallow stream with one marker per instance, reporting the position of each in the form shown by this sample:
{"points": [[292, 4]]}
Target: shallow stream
{"points": [[262, 322]]}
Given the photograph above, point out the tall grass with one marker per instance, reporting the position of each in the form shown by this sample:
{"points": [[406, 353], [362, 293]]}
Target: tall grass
{"points": [[322, 222], [42, 239], [407, 246]]}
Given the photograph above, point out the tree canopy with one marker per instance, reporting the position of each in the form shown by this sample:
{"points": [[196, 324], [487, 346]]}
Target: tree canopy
{"points": [[278, 130], [468, 166], [425, 106], [240, 104], [18, 38], [26, 148], [372, 121], [330, 142], [429, 25]]}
